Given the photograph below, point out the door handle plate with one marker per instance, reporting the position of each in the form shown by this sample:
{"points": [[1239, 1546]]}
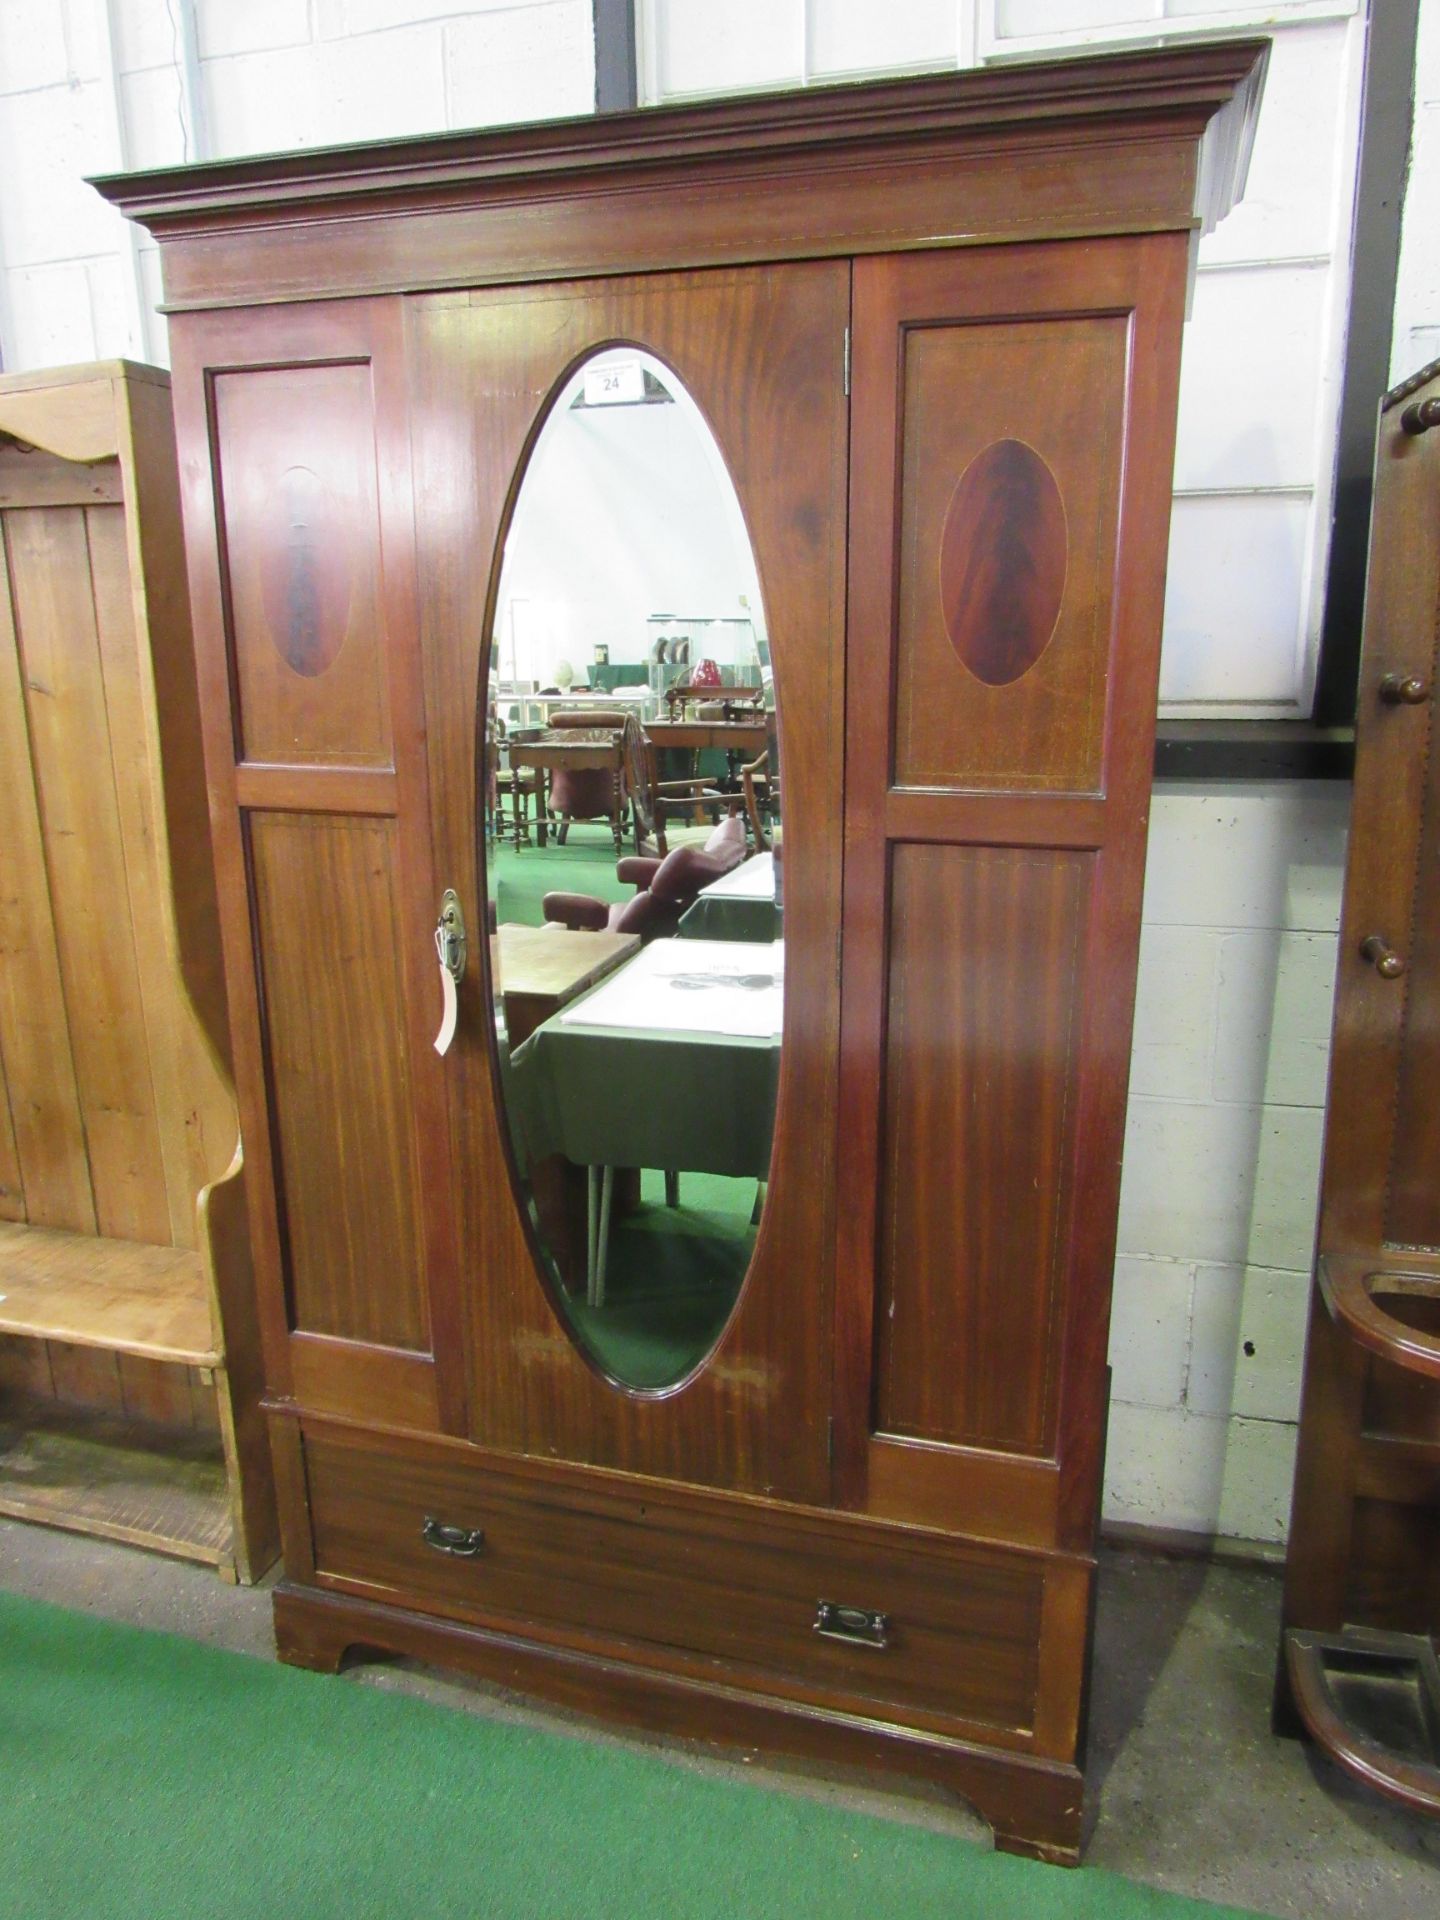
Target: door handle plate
{"points": [[450, 935], [461, 1543], [856, 1626]]}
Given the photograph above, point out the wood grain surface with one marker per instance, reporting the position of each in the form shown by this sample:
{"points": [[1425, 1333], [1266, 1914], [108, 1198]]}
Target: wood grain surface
{"points": [[1365, 1523], [119, 1117], [328, 934], [995, 844], [1005, 256], [298, 485], [116, 1294]]}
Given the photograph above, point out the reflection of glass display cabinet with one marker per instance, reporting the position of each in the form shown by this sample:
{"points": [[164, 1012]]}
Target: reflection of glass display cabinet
{"points": [[863, 1529], [729, 641]]}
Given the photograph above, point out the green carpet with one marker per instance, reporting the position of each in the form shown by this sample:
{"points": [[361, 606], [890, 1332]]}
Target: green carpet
{"points": [[672, 1278], [143, 1777], [519, 877]]}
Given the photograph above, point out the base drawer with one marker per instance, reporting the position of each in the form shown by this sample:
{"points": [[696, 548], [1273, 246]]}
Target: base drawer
{"points": [[840, 1609]]}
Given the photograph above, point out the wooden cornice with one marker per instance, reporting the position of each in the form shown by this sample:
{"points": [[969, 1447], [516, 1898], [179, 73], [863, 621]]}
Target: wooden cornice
{"points": [[1129, 143], [1193, 88]]}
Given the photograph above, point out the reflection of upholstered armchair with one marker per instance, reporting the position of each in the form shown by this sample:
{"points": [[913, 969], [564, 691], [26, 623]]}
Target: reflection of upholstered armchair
{"points": [[664, 888], [588, 793]]}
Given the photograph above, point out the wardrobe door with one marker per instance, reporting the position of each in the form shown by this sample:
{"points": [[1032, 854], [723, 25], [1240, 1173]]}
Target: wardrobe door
{"points": [[761, 355], [1012, 444], [298, 521]]}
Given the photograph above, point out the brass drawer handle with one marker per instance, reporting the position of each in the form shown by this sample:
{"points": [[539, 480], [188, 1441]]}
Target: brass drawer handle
{"points": [[1382, 956], [463, 1542], [856, 1626]]}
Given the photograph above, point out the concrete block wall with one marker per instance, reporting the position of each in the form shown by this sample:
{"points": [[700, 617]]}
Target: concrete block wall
{"points": [[1222, 1154], [75, 283]]}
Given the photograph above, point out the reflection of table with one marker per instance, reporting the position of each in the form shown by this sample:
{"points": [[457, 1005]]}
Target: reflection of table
{"points": [[541, 969], [736, 737], [741, 905], [536, 971], [739, 740], [634, 1074], [580, 750]]}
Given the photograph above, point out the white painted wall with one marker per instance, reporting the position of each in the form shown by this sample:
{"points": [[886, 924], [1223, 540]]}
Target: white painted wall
{"points": [[271, 74], [1222, 1154], [1417, 297], [1242, 897]]}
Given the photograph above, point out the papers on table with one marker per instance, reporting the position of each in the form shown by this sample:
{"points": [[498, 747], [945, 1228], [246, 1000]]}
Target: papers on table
{"points": [[727, 987], [751, 880]]}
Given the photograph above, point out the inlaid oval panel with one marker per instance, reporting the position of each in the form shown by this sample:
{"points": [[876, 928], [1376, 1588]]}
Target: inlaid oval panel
{"points": [[1003, 557], [633, 810], [307, 578]]}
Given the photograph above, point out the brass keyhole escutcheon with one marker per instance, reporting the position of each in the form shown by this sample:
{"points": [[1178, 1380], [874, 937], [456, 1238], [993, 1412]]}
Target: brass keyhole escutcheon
{"points": [[450, 935]]}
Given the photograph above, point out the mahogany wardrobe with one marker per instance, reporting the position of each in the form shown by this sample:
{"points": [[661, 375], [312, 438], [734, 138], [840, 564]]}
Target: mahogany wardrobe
{"points": [[934, 326]]}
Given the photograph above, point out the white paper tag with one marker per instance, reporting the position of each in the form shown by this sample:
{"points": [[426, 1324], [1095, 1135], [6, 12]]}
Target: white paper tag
{"points": [[450, 1014]]}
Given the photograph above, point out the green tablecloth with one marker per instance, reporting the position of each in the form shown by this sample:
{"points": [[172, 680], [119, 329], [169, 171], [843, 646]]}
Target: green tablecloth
{"points": [[731, 917], [621, 1097]]}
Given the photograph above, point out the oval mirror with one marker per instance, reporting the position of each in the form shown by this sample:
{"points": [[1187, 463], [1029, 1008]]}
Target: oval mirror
{"points": [[631, 828]]}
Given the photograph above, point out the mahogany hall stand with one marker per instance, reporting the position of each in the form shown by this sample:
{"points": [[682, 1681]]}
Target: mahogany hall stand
{"points": [[935, 327], [1362, 1575]]}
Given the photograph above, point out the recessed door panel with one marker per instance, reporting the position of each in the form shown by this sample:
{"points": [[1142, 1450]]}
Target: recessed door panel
{"points": [[978, 1145], [302, 545], [1009, 489], [328, 945]]}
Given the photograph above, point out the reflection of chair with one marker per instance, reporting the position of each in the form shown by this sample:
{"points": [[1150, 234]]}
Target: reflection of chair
{"points": [[664, 887], [515, 786], [762, 800], [656, 802], [589, 793]]}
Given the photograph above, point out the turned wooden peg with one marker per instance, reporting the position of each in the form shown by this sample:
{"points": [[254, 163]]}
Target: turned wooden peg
{"points": [[1421, 415], [1404, 690], [1382, 956]]}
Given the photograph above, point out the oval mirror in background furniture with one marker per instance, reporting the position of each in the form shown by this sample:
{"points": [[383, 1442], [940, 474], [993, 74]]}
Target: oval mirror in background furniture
{"points": [[637, 957]]}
